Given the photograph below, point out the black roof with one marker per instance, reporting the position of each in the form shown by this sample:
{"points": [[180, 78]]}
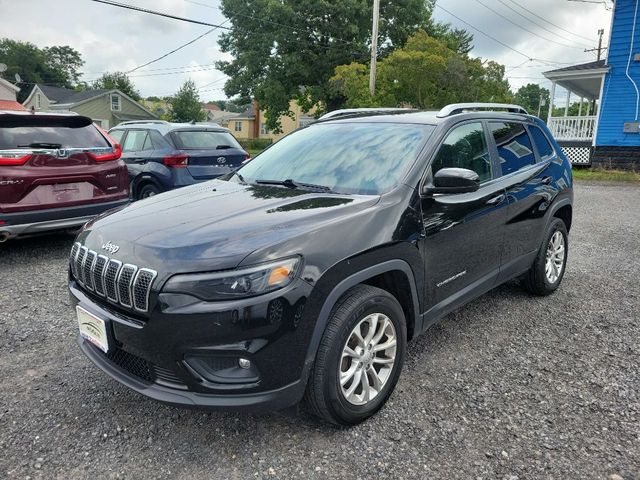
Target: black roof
{"points": [[65, 95], [596, 65]]}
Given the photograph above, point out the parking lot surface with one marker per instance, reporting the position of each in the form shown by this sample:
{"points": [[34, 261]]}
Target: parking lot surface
{"points": [[509, 387]]}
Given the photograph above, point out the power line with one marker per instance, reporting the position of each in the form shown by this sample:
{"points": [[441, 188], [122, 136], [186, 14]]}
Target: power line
{"points": [[160, 14], [548, 21], [538, 24], [525, 28], [176, 49]]}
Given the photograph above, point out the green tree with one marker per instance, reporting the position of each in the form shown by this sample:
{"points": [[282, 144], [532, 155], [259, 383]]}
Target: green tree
{"points": [[425, 74], [528, 96], [58, 65], [288, 49], [185, 106], [117, 81]]}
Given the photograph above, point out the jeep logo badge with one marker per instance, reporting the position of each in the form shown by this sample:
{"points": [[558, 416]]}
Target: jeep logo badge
{"points": [[110, 247], [221, 160]]}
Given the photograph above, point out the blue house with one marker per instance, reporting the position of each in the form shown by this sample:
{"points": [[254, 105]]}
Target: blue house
{"points": [[606, 131]]}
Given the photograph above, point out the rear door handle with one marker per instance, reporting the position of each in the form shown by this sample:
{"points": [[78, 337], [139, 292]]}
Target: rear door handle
{"points": [[497, 200], [546, 180]]}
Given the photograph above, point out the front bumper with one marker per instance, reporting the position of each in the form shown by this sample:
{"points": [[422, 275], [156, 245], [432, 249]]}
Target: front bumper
{"points": [[52, 219], [162, 356]]}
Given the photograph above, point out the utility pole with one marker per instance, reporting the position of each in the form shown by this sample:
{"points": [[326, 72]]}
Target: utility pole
{"points": [[374, 47], [600, 47]]}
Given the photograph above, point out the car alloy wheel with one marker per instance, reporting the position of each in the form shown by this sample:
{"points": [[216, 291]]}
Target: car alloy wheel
{"points": [[367, 359], [555, 257]]}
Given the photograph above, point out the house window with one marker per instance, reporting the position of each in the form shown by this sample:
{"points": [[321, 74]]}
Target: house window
{"points": [[38, 101], [238, 127], [263, 129], [115, 102]]}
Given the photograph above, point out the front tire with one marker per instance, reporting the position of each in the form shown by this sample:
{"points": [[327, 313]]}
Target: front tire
{"points": [[548, 269], [360, 357]]}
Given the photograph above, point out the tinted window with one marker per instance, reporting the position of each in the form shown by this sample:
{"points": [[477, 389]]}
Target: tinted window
{"points": [[135, 141], [116, 135], [514, 146], [465, 147], [364, 158], [542, 143], [202, 139], [64, 136]]}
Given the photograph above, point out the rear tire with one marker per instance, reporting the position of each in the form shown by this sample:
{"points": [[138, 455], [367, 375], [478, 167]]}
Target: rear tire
{"points": [[147, 190], [370, 371], [548, 269]]}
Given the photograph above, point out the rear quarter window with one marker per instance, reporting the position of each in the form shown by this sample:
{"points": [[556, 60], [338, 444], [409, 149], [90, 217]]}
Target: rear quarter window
{"points": [[545, 150], [63, 133]]}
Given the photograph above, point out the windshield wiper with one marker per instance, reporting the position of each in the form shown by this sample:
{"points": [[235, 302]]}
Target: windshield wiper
{"points": [[41, 145], [289, 183]]}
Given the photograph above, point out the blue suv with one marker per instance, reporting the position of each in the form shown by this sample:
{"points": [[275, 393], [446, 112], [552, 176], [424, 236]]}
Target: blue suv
{"points": [[161, 156]]}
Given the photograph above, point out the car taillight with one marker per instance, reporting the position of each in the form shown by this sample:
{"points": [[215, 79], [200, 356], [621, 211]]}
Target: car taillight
{"points": [[14, 158], [105, 157], [176, 161]]}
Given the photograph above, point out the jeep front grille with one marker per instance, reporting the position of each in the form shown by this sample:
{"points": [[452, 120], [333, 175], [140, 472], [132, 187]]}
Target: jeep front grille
{"points": [[125, 285]]}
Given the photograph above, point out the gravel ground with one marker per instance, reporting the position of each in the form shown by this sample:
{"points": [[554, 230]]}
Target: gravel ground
{"points": [[509, 387]]}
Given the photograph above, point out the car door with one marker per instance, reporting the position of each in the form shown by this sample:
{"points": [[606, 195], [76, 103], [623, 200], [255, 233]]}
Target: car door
{"points": [[137, 150], [528, 181], [463, 232]]}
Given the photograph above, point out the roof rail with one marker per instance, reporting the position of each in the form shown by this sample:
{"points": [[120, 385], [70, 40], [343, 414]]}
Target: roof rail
{"points": [[355, 111], [132, 122], [456, 108]]}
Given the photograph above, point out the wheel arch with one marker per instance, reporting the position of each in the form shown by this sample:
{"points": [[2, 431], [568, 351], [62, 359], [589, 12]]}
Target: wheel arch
{"points": [[379, 275], [140, 181]]}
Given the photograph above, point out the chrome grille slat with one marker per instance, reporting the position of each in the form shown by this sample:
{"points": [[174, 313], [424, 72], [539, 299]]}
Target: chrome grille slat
{"points": [[125, 281], [126, 285], [141, 288], [98, 275], [89, 263], [82, 255], [110, 279]]}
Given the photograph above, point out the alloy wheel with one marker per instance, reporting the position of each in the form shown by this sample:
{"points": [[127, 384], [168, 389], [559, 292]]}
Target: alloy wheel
{"points": [[367, 359], [555, 257]]}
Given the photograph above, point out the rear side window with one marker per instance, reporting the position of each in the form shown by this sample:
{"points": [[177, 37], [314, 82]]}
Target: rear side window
{"points": [[31, 132], [137, 141], [465, 147], [514, 146], [545, 150], [203, 139]]}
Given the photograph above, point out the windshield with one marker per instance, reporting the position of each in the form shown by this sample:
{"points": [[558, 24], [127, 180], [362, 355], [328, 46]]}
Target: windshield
{"points": [[203, 139], [361, 158]]}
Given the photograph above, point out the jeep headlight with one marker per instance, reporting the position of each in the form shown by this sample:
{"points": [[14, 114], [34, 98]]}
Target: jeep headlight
{"points": [[232, 284]]}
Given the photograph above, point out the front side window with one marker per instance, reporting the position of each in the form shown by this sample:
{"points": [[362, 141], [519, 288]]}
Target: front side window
{"points": [[238, 127], [361, 158], [135, 141], [514, 146], [115, 102], [465, 147]]}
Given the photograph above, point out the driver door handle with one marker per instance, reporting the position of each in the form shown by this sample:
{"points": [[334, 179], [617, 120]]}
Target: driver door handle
{"points": [[497, 200]]}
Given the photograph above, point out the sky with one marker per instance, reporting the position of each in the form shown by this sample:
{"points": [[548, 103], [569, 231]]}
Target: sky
{"points": [[115, 39]]}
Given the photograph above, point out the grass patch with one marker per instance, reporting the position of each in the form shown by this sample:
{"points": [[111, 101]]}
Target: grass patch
{"points": [[601, 175], [253, 152]]}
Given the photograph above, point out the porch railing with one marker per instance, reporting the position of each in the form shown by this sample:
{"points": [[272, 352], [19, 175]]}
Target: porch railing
{"points": [[573, 128]]}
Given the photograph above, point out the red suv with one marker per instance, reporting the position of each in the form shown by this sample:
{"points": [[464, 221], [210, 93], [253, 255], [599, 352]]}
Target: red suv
{"points": [[57, 171]]}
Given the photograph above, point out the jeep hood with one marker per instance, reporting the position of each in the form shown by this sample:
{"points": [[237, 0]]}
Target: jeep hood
{"points": [[216, 224]]}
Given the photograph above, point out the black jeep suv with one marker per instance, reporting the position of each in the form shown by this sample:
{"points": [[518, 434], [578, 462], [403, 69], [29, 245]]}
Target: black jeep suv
{"points": [[304, 273]]}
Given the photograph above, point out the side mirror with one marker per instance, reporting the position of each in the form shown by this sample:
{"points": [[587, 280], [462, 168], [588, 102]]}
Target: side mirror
{"points": [[454, 180]]}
